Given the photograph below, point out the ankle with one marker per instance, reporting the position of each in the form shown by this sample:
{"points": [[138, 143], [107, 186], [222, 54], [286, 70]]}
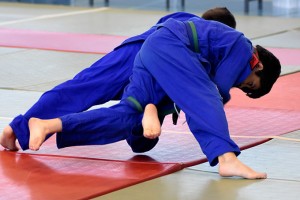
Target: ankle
{"points": [[227, 157]]}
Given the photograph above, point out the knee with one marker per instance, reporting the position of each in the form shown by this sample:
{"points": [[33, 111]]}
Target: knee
{"points": [[138, 143]]}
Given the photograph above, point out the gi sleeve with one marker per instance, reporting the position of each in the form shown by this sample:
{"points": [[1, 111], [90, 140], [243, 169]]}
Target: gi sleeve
{"points": [[234, 67]]}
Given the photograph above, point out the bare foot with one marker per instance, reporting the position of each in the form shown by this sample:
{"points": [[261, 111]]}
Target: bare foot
{"points": [[39, 129], [38, 132], [150, 122], [230, 165], [8, 139]]}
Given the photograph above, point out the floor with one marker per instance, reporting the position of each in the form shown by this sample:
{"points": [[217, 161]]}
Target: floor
{"points": [[27, 72]]}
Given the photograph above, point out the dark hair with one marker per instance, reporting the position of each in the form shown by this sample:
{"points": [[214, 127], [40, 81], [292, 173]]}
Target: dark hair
{"points": [[220, 14], [268, 75]]}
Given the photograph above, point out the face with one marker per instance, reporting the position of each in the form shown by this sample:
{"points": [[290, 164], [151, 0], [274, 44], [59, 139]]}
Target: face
{"points": [[252, 82]]}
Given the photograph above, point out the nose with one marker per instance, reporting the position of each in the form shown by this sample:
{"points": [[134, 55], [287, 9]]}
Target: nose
{"points": [[251, 85]]}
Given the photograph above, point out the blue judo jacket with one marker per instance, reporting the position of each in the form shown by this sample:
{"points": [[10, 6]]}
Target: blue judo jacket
{"points": [[224, 52], [214, 49]]}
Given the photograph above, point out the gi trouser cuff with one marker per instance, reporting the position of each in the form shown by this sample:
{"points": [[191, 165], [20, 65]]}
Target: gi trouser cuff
{"points": [[217, 149], [21, 130]]}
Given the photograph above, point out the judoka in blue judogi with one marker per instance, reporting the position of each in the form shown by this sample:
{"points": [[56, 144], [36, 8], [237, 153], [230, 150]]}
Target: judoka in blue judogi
{"points": [[105, 80]]}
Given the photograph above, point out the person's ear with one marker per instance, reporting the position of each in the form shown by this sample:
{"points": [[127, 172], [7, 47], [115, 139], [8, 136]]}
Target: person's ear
{"points": [[259, 67]]}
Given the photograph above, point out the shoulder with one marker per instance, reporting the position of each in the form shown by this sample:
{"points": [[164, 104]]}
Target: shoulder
{"points": [[181, 16]]}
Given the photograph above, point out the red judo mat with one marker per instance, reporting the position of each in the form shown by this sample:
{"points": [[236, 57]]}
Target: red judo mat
{"points": [[70, 42], [90, 171], [39, 177]]}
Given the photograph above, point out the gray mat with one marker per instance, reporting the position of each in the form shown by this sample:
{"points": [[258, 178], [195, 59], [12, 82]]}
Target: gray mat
{"points": [[280, 159]]}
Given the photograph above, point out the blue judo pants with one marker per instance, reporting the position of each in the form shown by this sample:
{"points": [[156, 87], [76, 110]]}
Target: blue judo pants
{"points": [[170, 70], [105, 80]]}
